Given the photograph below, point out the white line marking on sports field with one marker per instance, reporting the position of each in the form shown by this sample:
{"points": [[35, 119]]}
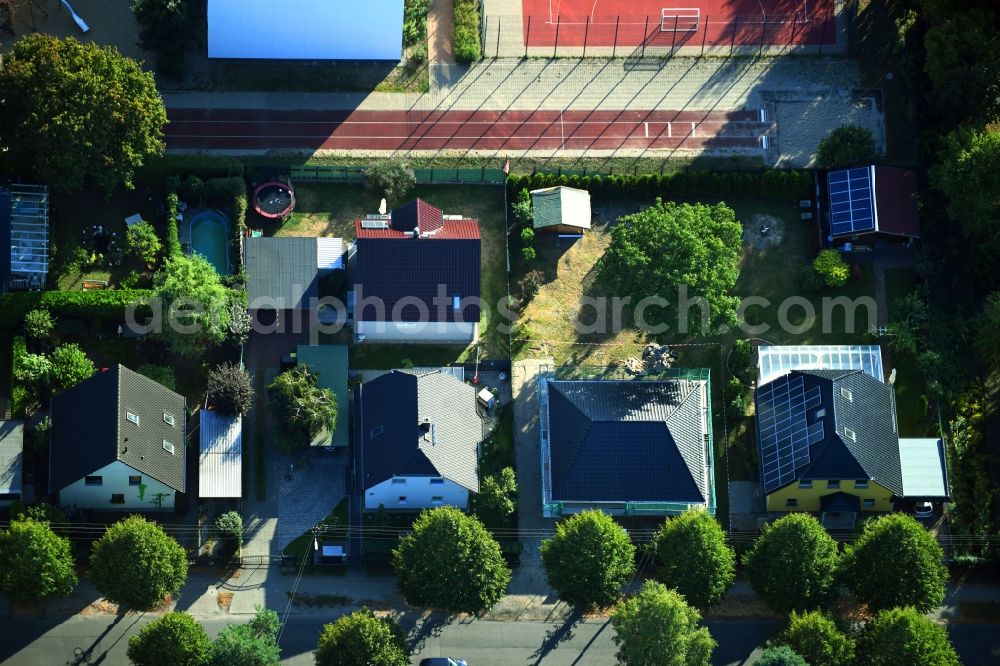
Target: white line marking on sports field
{"points": [[647, 129]]}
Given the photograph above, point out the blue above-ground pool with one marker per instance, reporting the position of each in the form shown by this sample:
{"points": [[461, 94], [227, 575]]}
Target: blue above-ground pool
{"points": [[210, 238]]}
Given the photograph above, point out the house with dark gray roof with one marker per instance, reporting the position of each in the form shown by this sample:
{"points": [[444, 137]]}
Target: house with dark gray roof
{"points": [[416, 275], [283, 272], [11, 461], [418, 434], [829, 443], [118, 443], [627, 447]]}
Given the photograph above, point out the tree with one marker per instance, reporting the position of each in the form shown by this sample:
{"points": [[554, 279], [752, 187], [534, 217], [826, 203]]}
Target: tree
{"points": [[588, 560], [832, 268], [305, 408], [252, 644], [497, 496], [240, 323], [523, 212], [793, 564], [70, 366], [966, 175], [692, 557], [677, 252], [38, 324], [391, 178], [362, 638], [905, 636], [37, 563], [136, 564], [847, 146], [450, 561], [165, 28], [33, 369], [229, 390], [657, 627], [195, 304], [161, 374], [896, 563], [142, 241], [780, 656], [75, 111], [174, 638], [230, 525], [816, 637]]}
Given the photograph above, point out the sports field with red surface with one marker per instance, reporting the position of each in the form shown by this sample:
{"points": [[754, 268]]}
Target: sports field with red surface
{"points": [[250, 129], [678, 23]]}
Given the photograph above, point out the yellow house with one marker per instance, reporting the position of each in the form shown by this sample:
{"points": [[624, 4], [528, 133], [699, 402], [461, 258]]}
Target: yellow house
{"points": [[829, 444]]}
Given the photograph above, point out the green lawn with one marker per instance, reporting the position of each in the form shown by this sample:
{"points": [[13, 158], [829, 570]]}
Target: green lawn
{"points": [[337, 518], [330, 210]]}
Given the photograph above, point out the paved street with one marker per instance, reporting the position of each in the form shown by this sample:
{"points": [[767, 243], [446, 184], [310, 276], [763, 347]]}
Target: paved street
{"points": [[104, 639]]}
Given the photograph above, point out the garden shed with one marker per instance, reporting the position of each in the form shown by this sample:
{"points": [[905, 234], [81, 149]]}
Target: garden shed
{"points": [[561, 210]]}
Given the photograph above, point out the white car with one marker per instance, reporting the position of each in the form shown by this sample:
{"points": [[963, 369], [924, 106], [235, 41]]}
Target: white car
{"points": [[923, 509]]}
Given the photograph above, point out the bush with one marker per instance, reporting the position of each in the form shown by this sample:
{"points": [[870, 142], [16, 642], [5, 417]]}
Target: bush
{"points": [[136, 564], [528, 254], [38, 324], [36, 562], [362, 638], [230, 525], [109, 304], [305, 408], [847, 146], [173, 241], [143, 243], [832, 268], [588, 560], [229, 390], [529, 284], [175, 638], [70, 366], [527, 235], [780, 656], [522, 208], [391, 178], [415, 22], [466, 30], [809, 280], [817, 638]]}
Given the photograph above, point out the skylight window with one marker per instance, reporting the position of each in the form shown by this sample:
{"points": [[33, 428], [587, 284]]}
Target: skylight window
{"points": [[846, 393], [168, 419], [168, 447], [133, 417], [849, 434]]}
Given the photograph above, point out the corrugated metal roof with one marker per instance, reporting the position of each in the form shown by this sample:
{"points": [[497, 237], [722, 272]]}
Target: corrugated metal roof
{"points": [[923, 466], [555, 206], [776, 360], [329, 253], [11, 456], [220, 464]]}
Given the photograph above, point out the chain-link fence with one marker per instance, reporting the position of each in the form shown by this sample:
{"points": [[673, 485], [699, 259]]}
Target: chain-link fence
{"points": [[424, 176], [684, 32]]}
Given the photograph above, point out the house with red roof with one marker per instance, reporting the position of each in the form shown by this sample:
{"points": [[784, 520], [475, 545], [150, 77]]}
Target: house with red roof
{"points": [[416, 276]]}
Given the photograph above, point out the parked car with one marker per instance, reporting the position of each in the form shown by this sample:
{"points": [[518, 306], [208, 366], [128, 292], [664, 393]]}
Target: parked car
{"points": [[442, 661], [923, 509]]}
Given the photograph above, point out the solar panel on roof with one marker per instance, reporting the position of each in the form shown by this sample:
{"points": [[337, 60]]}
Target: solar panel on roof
{"points": [[375, 224], [784, 431], [852, 201]]}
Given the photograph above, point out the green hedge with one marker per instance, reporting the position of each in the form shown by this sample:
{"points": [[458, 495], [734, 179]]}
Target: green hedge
{"points": [[19, 392], [770, 184], [466, 30], [157, 170], [110, 304], [173, 241]]}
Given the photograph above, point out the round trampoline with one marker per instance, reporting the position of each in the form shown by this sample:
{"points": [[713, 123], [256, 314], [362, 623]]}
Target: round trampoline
{"points": [[274, 199]]}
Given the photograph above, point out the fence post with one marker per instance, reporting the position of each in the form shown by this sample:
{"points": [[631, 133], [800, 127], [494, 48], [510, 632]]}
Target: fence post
{"points": [[704, 36], [586, 35], [673, 37], [614, 47], [736, 27], [645, 38], [763, 36], [527, 37], [499, 30], [432, 174], [555, 44], [484, 35], [482, 175]]}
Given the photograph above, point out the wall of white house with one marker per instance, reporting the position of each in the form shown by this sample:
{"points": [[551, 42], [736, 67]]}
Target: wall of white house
{"points": [[115, 481], [397, 331], [419, 492]]}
